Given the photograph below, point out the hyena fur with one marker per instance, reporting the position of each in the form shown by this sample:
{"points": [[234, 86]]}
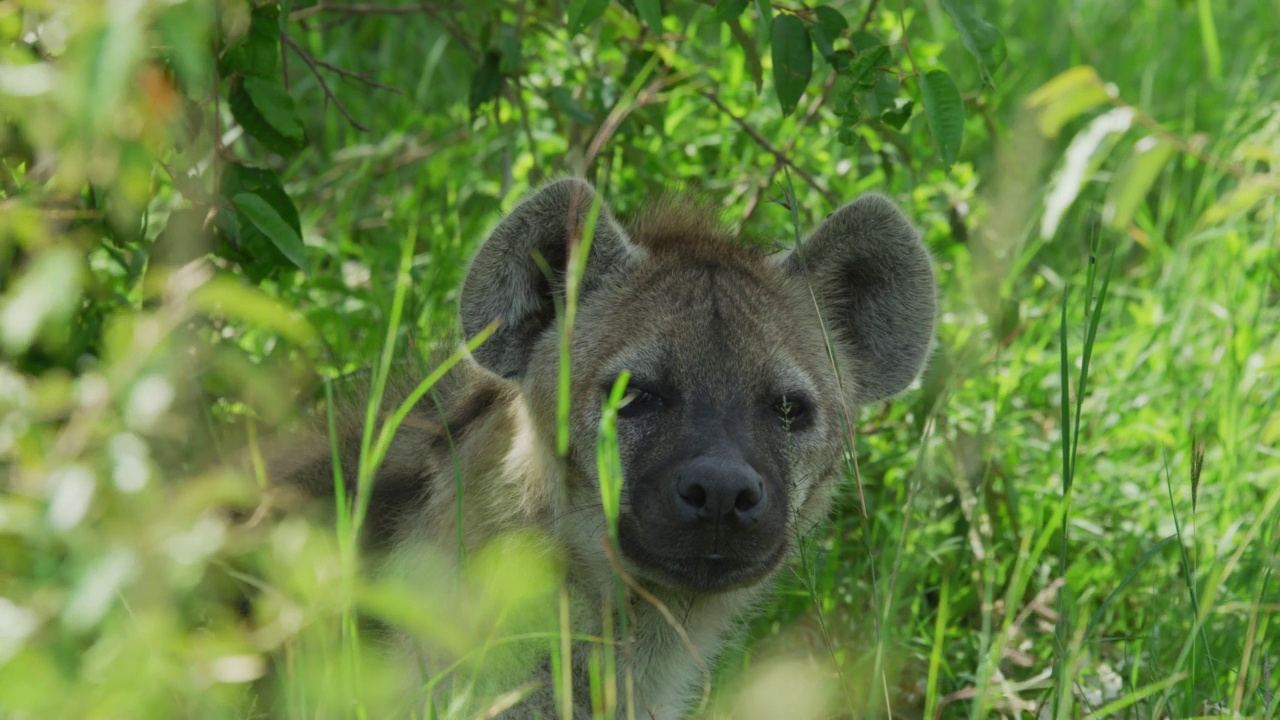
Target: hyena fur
{"points": [[746, 370]]}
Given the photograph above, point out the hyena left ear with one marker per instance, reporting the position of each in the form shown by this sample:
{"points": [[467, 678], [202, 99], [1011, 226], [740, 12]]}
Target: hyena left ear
{"points": [[874, 282], [508, 280]]}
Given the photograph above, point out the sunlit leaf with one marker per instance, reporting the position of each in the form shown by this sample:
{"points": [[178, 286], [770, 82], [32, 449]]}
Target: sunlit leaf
{"points": [[1134, 179], [1248, 193], [1066, 97], [980, 38], [226, 296], [944, 110], [269, 222], [792, 60], [98, 588], [1066, 184], [47, 292]]}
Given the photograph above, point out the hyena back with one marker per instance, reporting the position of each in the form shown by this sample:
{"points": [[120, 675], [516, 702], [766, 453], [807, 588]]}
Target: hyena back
{"points": [[745, 372]]}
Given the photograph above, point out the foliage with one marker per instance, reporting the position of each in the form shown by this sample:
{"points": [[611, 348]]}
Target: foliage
{"points": [[211, 208]]}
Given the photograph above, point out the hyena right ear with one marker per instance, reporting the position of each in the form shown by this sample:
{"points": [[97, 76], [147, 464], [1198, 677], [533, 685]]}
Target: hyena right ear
{"points": [[874, 282], [507, 281]]}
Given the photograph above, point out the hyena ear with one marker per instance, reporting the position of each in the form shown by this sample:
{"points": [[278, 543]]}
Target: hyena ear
{"points": [[873, 279], [508, 281]]}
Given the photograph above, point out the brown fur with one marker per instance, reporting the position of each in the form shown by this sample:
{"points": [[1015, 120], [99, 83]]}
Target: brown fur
{"points": [[720, 331]]}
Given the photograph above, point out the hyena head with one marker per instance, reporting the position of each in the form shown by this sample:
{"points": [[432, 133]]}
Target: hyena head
{"points": [[745, 369]]}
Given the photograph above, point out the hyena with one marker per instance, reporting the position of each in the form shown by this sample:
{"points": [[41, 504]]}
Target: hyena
{"points": [[746, 370]]}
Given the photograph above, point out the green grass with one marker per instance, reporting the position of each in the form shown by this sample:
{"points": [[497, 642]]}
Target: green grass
{"points": [[1074, 514]]}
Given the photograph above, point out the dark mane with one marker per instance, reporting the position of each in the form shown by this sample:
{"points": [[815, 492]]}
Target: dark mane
{"points": [[687, 225]]}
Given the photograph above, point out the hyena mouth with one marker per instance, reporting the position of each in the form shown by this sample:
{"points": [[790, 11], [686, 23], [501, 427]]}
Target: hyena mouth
{"points": [[701, 567]]}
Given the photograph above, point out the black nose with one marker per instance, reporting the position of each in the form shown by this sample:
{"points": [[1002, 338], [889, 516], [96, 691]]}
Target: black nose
{"points": [[707, 490]]}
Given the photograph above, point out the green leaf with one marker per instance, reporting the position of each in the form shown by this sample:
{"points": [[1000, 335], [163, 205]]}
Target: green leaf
{"points": [[979, 37], [792, 60], [269, 222], [1066, 97], [945, 112], [862, 71], [861, 40], [846, 101], [562, 98], [263, 182], [651, 12], [274, 104], [1134, 179], [256, 125], [258, 51], [830, 18], [729, 10], [509, 44], [885, 94], [897, 117], [825, 31], [765, 24], [582, 13], [241, 240], [486, 83]]}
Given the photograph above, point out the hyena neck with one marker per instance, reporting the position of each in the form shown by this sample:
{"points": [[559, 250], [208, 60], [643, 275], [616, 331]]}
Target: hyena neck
{"points": [[672, 640]]}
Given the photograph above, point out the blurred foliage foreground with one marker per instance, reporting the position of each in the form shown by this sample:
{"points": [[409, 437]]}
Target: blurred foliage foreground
{"points": [[210, 209]]}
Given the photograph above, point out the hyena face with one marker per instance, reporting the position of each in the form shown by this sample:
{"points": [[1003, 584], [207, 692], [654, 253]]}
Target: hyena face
{"points": [[745, 369]]}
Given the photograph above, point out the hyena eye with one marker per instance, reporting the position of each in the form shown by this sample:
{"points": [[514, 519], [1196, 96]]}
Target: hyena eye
{"points": [[637, 401], [793, 411]]}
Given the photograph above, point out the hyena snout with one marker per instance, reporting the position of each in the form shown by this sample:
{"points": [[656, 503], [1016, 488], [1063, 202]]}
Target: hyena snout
{"points": [[721, 494]]}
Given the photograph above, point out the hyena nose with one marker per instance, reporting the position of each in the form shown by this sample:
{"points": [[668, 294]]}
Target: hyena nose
{"points": [[709, 491]]}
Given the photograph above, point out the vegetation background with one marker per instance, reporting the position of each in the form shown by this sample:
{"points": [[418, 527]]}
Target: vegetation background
{"points": [[209, 209]]}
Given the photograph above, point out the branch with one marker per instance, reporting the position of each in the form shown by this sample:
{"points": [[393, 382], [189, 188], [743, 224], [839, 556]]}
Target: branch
{"points": [[315, 70], [772, 149], [357, 9], [362, 78], [869, 15]]}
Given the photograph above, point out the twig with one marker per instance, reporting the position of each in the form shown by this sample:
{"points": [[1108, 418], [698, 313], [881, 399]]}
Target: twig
{"points": [[358, 77], [906, 44], [869, 15], [769, 147], [620, 112], [324, 86]]}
